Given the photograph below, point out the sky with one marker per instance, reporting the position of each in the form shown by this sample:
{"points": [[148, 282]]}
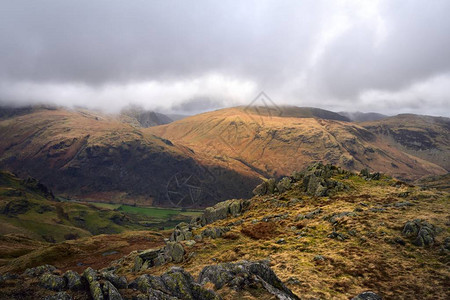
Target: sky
{"points": [[192, 56]]}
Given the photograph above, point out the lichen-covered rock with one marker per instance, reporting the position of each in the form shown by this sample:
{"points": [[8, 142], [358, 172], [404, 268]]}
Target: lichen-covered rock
{"points": [[214, 232], [73, 280], [52, 282], [174, 251], [119, 282], [89, 274], [221, 211], [111, 292], [267, 187], [182, 285], [96, 290], [420, 232], [284, 184], [244, 274], [174, 284], [146, 282], [94, 286], [138, 263], [37, 271], [367, 296], [59, 296]]}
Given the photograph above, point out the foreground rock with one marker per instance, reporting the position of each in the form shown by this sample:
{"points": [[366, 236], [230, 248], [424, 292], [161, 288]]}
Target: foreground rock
{"points": [[244, 274], [174, 283]]}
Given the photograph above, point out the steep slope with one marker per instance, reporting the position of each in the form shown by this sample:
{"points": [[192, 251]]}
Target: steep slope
{"points": [[88, 155], [425, 137], [274, 142]]}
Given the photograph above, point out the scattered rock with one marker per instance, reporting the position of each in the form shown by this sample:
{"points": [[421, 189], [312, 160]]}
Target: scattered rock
{"points": [[337, 236], [319, 258], [335, 217], [367, 296], [446, 245], [420, 232], [312, 214], [281, 241], [403, 204]]}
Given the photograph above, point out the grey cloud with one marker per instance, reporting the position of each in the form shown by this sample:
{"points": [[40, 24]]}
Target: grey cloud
{"points": [[108, 46]]}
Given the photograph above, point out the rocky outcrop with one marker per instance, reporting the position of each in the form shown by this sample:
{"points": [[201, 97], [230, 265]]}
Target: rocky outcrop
{"points": [[314, 181], [214, 232], [174, 283], [267, 187], [239, 276], [222, 210], [171, 252], [369, 176], [244, 274], [182, 232], [420, 232]]}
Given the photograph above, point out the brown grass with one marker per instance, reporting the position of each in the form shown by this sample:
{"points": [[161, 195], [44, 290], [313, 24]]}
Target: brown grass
{"points": [[260, 231]]}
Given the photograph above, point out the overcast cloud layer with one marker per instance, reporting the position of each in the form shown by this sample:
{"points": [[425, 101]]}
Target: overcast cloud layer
{"points": [[190, 56]]}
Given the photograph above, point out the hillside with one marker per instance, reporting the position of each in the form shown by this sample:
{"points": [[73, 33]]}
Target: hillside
{"points": [[425, 137], [88, 155], [29, 209], [324, 233], [277, 142]]}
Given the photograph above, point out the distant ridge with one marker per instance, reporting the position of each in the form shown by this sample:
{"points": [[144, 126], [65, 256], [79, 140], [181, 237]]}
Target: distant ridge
{"points": [[145, 118], [296, 112], [362, 117]]}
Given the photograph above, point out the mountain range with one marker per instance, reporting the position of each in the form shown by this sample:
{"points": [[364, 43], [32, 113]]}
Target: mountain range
{"points": [[140, 157]]}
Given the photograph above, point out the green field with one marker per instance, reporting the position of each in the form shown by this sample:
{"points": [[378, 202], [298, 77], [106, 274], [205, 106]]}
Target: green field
{"points": [[155, 217]]}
